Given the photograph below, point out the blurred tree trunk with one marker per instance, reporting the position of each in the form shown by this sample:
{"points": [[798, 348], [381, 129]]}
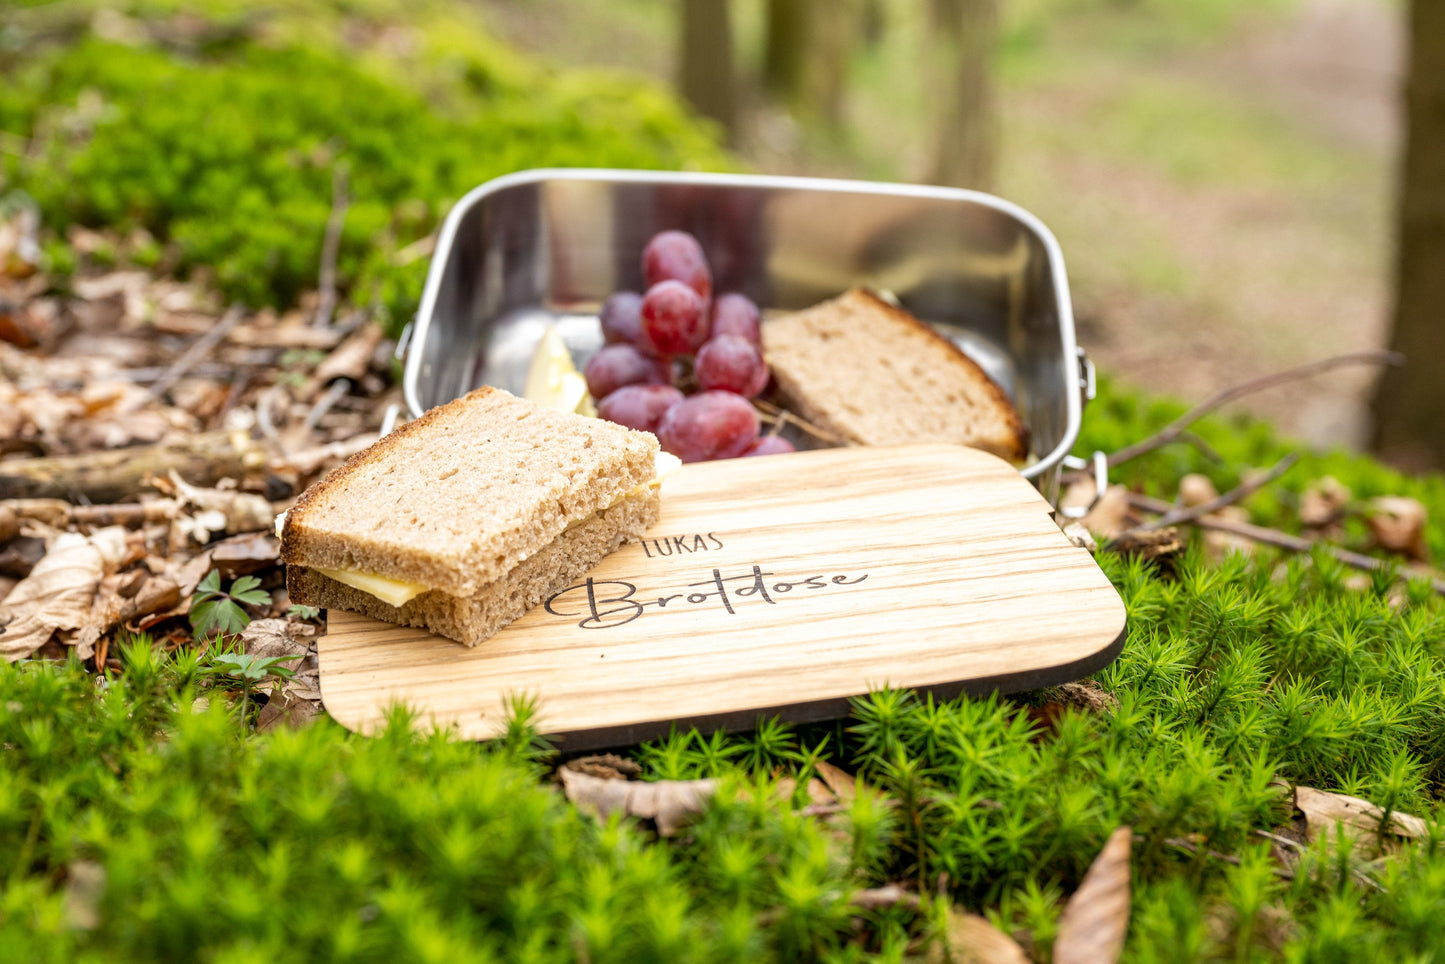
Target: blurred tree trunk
{"points": [[805, 63], [786, 47], [964, 35], [1410, 404], [705, 74]]}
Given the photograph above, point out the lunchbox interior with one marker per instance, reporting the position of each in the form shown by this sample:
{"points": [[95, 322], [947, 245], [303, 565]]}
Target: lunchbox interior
{"points": [[548, 247]]}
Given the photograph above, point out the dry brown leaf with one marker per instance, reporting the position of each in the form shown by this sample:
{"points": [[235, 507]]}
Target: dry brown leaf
{"points": [[1324, 810], [1196, 489], [971, 939], [85, 882], [59, 593], [1081, 536], [671, 803], [606, 766], [289, 707], [889, 895], [1110, 515], [1323, 502], [352, 358], [1096, 918], [277, 637], [1398, 525], [844, 785]]}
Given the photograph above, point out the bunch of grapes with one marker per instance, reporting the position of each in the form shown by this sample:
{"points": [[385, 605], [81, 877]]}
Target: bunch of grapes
{"points": [[650, 340]]}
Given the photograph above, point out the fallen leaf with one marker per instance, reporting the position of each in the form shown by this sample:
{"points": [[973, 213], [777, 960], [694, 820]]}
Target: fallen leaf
{"points": [[1398, 525], [352, 358], [606, 766], [1110, 515], [276, 637], [1196, 489], [1096, 918], [1323, 502], [59, 593], [671, 803], [246, 554], [971, 939], [1089, 696], [844, 785], [84, 890], [1148, 544], [288, 708], [1080, 536], [1324, 810], [889, 895]]}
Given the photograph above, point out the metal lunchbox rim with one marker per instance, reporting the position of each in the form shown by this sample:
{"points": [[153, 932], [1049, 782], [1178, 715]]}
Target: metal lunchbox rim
{"points": [[416, 337]]}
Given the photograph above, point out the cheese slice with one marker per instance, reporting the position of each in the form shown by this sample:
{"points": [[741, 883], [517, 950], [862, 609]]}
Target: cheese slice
{"points": [[553, 380], [393, 592], [397, 592]]}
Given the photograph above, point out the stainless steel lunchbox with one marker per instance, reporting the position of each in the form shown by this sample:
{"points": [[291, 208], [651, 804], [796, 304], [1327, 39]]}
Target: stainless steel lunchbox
{"points": [[547, 246]]}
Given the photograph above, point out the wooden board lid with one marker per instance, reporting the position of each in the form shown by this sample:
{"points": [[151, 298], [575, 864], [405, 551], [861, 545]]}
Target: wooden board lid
{"points": [[780, 585]]}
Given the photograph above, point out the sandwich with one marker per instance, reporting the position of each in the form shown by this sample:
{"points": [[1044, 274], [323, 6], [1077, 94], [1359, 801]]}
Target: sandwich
{"points": [[462, 520], [873, 374]]}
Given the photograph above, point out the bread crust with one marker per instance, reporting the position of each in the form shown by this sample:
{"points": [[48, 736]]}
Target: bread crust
{"points": [[809, 371], [474, 618], [457, 497]]}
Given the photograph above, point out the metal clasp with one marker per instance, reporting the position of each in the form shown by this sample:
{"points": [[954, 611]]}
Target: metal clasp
{"points": [[1100, 463]]}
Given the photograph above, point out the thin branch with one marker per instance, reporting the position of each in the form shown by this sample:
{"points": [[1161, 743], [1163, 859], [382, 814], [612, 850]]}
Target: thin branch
{"points": [[323, 404], [775, 413], [1239, 493], [198, 350], [331, 245], [1176, 428], [1283, 540]]}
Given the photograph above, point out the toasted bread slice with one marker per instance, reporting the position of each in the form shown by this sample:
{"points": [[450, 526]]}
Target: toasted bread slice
{"points": [[873, 374], [474, 618], [456, 499]]}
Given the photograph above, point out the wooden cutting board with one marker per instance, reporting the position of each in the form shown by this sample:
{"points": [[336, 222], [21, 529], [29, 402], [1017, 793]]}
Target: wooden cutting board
{"points": [[770, 586]]}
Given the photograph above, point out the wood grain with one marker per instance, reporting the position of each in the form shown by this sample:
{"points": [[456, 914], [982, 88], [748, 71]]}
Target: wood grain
{"points": [[929, 566]]}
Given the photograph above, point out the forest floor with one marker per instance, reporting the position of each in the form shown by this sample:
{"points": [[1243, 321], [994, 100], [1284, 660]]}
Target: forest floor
{"points": [[1220, 177]]}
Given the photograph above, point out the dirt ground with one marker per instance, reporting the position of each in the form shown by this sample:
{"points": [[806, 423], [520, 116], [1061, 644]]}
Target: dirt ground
{"points": [[1295, 287]]}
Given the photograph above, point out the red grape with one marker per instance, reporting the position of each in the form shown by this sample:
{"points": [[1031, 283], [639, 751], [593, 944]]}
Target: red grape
{"points": [[731, 364], [709, 425], [676, 256], [616, 365], [639, 406], [734, 314], [770, 445], [674, 318], [621, 318]]}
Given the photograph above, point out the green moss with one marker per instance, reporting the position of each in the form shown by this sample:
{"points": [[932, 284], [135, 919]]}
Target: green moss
{"points": [[228, 155], [1238, 678]]}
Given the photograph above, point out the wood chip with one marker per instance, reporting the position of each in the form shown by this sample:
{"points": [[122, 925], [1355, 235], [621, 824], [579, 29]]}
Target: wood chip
{"points": [[1096, 918]]}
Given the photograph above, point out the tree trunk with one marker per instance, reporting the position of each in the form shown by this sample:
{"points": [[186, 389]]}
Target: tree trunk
{"points": [[705, 74], [964, 36], [829, 50], [1409, 405], [786, 45]]}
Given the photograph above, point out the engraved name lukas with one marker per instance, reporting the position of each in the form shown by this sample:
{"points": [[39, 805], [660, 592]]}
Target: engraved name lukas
{"points": [[607, 603], [677, 545]]}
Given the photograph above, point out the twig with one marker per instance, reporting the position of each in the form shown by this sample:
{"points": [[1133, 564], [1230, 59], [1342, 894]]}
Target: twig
{"points": [[199, 349], [1176, 428], [889, 895], [331, 245], [1236, 494], [1282, 841], [775, 413], [1283, 540], [323, 404]]}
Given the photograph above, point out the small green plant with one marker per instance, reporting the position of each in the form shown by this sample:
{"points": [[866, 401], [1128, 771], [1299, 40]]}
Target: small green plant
{"points": [[248, 670], [215, 612], [303, 612]]}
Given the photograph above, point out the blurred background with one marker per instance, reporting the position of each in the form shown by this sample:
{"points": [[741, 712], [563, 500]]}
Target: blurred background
{"points": [[1238, 185]]}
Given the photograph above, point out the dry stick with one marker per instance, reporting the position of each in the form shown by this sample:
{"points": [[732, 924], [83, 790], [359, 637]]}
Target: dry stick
{"points": [[323, 404], [331, 246], [776, 412], [1236, 494], [199, 349], [1176, 428], [1283, 540]]}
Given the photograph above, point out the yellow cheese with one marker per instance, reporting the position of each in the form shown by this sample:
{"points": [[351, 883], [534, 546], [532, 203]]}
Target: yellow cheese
{"points": [[393, 592], [553, 380]]}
